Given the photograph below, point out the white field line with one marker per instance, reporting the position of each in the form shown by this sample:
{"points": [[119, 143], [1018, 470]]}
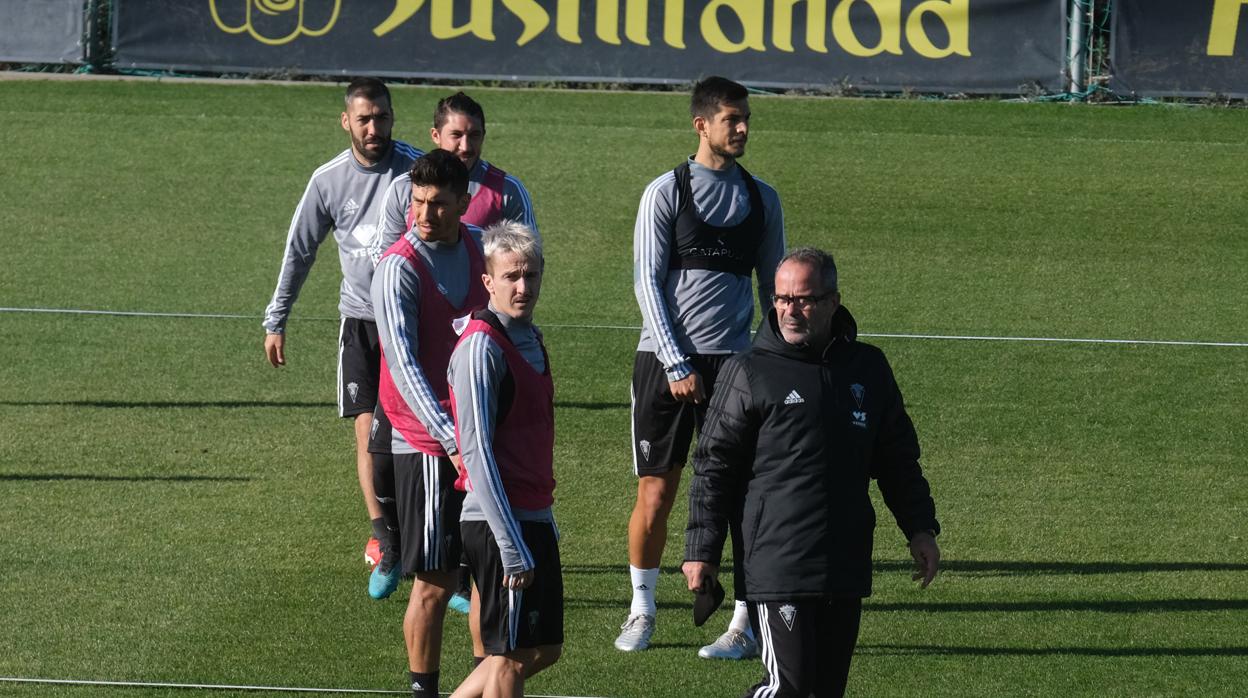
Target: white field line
{"points": [[633, 328], [219, 687]]}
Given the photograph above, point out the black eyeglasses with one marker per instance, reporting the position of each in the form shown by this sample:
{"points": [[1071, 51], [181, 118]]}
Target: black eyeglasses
{"points": [[802, 302]]}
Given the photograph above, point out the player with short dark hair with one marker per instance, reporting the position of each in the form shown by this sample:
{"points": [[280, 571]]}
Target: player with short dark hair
{"points": [[503, 400], [425, 283], [345, 195], [703, 229]]}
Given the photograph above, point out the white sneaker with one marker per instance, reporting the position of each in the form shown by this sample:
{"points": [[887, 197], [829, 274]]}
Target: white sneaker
{"points": [[635, 633], [733, 644]]}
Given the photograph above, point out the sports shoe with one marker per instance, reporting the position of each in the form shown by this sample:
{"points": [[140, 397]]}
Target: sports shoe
{"points": [[635, 633], [372, 552], [733, 644], [382, 583], [459, 603]]}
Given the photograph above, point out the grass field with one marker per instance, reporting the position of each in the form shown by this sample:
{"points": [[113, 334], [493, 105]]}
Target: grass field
{"points": [[174, 510]]}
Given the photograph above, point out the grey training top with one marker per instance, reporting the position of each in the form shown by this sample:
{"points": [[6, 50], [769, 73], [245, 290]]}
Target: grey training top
{"points": [[396, 300], [698, 311], [345, 196], [476, 373], [517, 206]]}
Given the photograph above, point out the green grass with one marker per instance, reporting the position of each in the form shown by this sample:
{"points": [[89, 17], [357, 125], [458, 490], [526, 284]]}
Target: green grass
{"points": [[172, 509]]}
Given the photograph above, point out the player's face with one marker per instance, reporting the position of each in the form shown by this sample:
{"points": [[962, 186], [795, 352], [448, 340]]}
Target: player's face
{"points": [[727, 131], [803, 308], [369, 124], [463, 135], [436, 211], [514, 282]]}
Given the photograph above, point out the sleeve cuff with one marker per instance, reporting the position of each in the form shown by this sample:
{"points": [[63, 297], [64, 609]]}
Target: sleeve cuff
{"points": [[678, 371]]}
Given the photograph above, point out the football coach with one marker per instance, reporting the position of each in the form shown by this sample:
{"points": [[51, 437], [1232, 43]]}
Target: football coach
{"points": [[798, 427]]}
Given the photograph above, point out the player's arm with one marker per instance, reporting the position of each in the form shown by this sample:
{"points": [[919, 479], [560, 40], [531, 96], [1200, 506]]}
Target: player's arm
{"points": [[771, 249], [477, 370], [392, 216], [518, 206], [309, 226], [895, 465], [396, 306], [652, 250], [724, 454]]}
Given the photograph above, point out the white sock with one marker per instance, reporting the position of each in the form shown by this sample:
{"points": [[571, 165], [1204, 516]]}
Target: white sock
{"points": [[741, 619], [644, 582]]}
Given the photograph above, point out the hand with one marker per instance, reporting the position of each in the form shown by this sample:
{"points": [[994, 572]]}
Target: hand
{"points": [[926, 556], [688, 389], [519, 581], [275, 349], [697, 573]]}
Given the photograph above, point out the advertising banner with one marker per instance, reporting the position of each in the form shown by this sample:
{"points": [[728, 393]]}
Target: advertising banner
{"points": [[48, 31], [1194, 48], [985, 46]]}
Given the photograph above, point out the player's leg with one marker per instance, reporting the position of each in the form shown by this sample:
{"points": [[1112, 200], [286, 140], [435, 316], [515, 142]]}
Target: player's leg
{"points": [[787, 637], [389, 570], [835, 646], [429, 510], [359, 366], [662, 429]]}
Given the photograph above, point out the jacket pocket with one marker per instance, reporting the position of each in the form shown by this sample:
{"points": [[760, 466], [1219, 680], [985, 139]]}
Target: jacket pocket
{"points": [[751, 533]]}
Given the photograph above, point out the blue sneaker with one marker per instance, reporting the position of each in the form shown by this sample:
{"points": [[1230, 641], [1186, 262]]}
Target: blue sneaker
{"points": [[459, 603], [382, 584]]}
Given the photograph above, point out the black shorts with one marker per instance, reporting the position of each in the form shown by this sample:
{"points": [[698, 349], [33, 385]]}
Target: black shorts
{"points": [[662, 426], [530, 617], [359, 366], [429, 507], [379, 438]]}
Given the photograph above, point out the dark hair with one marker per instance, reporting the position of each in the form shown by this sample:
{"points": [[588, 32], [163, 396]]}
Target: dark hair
{"points": [[458, 103], [819, 260], [371, 89], [439, 168], [712, 92]]}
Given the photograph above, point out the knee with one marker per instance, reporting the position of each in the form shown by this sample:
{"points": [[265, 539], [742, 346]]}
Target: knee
{"points": [[655, 493], [429, 597], [547, 655]]}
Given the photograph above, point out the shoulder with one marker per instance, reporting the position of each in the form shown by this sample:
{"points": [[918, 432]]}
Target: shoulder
{"points": [[400, 183], [771, 197], [474, 234], [408, 152], [661, 188], [334, 165]]}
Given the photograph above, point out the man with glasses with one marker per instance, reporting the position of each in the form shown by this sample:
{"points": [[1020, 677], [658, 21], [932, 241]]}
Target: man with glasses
{"points": [[703, 229], [799, 426]]}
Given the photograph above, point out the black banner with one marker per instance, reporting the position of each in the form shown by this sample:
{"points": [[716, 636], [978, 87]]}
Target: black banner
{"points": [[1193, 48], [985, 46], [49, 31]]}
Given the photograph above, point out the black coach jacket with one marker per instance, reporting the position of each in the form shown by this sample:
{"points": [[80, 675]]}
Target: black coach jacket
{"points": [[792, 438]]}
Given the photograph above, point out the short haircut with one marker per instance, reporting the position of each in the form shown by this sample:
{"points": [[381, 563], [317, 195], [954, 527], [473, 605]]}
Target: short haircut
{"points": [[458, 103], [709, 94], [819, 260], [511, 236], [371, 89], [439, 168]]}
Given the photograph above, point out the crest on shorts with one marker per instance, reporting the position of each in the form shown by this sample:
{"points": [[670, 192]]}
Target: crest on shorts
{"points": [[372, 431], [354, 389], [533, 616], [788, 612], [645, 448]]}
